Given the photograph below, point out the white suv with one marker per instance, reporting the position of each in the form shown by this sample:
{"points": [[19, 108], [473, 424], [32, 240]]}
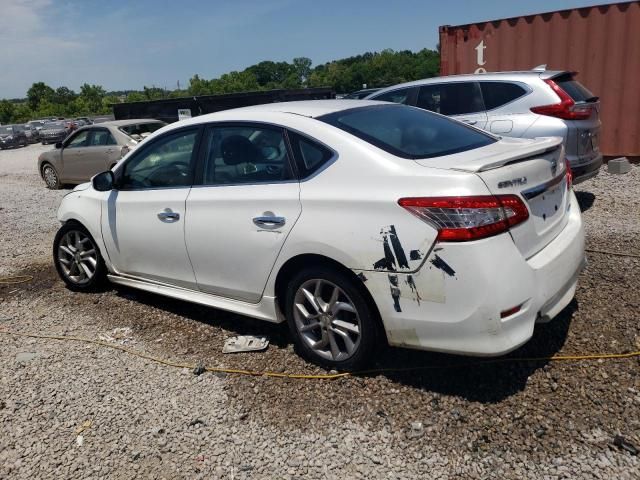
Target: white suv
{"points": [[529, 104], [357, 222]]}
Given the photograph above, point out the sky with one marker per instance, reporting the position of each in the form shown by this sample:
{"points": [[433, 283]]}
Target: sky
{"points": [[124, 44]]}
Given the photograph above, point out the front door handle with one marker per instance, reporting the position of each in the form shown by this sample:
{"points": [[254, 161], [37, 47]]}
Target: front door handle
{"points": [[168, 216], [269, 221]]}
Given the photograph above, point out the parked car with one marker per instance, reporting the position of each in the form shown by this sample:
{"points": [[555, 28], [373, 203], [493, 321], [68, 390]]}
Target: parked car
{"points": [[529, 104], [32, 133], [357, 222], [360, 94], [85, 120], [53, 132], [91, 150], [12, 136]]}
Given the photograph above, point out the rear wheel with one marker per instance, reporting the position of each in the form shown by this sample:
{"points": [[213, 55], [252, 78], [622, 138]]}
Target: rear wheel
{"points": [[50, 177], [77, 258], [330, 319]]}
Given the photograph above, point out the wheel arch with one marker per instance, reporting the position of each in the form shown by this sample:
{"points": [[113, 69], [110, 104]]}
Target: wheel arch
{"points": [[295, 263]]}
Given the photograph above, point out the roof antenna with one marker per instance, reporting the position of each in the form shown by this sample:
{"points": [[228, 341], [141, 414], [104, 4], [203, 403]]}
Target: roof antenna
{"points": [[540, 68]]}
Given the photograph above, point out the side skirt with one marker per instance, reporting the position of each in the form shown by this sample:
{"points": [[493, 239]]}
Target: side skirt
{"points": [[263, 310]]}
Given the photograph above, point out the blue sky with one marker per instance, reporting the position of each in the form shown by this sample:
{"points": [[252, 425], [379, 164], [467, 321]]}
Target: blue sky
{"points": [[122, 44]]}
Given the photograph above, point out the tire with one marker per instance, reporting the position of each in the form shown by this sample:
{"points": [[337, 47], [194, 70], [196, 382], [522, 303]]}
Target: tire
{"points": [[50, 177], [354, 338], [78, 260]]}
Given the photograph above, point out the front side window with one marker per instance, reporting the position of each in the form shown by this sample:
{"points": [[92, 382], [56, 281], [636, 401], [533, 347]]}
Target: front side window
{"points": [[167, 162], [456, 98], [79, 140], [497, 94], [408, 132], [245, 154], [395, 96]]}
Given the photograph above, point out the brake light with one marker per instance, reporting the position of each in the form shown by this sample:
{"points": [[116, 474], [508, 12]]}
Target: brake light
{"points": [[569, 174], [461, 219], [567, 109]]}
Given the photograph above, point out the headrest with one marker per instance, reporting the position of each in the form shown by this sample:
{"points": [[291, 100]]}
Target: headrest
{"points": [[237, 149]]}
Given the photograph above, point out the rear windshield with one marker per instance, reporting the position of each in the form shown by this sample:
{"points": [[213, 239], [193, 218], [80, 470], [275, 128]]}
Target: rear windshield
{"points": [[408, 132], [139, 130], [577, 91]]}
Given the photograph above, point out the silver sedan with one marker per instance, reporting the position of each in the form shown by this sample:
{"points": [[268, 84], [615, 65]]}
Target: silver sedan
{"points": [[92, 149]]}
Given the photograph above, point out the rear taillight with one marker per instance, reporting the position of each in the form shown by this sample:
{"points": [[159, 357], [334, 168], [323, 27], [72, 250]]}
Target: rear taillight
{"points": [[567, 109], [569, 174], [461, 219]]}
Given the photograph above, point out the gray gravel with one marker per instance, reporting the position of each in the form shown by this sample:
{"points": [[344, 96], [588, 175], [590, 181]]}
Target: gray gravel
{"points": [[72, 410]]}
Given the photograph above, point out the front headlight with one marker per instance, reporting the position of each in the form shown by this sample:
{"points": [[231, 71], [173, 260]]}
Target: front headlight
{"points": [[9, 137]]}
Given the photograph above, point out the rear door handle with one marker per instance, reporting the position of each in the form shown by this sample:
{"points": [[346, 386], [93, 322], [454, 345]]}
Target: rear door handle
{"points": [[269, 221], [470, 122], [168, 215]]}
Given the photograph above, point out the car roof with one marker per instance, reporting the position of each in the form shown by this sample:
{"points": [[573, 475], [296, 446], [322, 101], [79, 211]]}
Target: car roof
{"points": [[125, 123], [515, 75], [305, 108]]}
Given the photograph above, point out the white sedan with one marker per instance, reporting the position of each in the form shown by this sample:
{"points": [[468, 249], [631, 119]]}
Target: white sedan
{"points": [[357, 222]]}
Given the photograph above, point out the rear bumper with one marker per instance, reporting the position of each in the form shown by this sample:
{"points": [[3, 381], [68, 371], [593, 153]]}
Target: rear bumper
{"points": [[453, 303], [584, 169]]}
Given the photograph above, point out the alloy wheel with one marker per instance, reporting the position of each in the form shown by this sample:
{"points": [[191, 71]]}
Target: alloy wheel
{"points": [[50, 177], [77, 257], [327, 320]]}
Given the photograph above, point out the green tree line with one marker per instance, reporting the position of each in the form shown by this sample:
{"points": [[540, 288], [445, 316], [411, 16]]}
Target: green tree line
{"points": [[375, 69]]}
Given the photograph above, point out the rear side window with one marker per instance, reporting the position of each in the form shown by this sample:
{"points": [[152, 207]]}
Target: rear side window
{"points": [[396, 96], [577, 91], [102, 138], [310, 155], [456, 98], [497, 94], [408, 132]]}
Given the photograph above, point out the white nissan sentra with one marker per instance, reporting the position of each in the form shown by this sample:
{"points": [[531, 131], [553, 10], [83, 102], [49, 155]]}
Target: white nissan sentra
{"points": [[357, 222]]}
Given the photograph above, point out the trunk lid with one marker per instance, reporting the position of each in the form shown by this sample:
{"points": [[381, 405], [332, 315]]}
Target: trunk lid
{"points": [[532, 169]]}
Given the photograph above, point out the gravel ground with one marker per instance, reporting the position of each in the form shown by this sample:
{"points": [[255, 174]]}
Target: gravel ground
{"points": [[75, 410]]}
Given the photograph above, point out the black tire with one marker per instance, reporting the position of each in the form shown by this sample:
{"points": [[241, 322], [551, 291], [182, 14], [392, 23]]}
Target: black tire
{"points": [[369, 332], [81, 282], [50, 177]]}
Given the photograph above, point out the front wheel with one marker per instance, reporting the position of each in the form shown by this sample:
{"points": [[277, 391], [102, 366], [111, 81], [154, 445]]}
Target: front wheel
{"points": [[77, 259], [50, 177], [330, 319]]}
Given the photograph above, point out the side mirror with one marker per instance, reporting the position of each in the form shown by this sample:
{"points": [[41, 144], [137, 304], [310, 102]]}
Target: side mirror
{"points": [[58, 145], [103, 182]]}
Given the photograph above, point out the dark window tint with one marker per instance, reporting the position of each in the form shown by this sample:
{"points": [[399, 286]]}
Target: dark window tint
{"points": [[396, 96], [309, 154], [167, 162], [102, 138], [408, 132], [245, 154], [497, 94], [577, 91], [451, 98]]}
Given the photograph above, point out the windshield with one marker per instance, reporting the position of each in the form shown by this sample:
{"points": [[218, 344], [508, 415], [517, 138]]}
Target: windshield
{"points": [[577, 91], [8, 129], [408, 132]]}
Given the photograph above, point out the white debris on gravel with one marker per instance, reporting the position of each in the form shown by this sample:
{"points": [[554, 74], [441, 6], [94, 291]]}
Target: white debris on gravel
{"points": [[76, 410]]}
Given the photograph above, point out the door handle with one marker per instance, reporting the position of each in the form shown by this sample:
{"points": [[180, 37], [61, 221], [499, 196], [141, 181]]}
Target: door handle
{"points": [[168, 215], [470, 122], [269, 221]]}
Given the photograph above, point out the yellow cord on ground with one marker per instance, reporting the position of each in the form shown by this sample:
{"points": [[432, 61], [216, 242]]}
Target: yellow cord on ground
{"points": [[15, 280], [327, 376]]}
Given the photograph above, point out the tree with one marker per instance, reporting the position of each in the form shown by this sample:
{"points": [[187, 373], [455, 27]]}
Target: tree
{"points": [[302, 67], [37, 93], [6, 111], [63, 96], [91, 98]]}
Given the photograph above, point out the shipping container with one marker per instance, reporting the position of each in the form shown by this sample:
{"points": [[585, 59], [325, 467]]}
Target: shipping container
{"points": [[173, 109], [601, 43]]}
